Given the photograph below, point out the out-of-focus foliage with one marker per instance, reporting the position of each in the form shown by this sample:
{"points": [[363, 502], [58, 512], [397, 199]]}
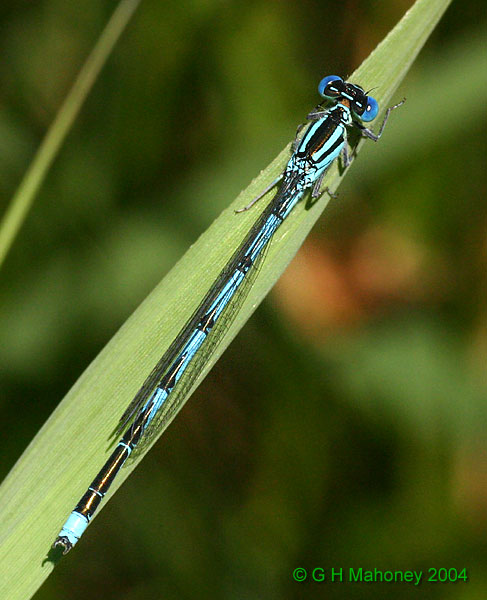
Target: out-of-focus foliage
{"points": [[346, 425]]}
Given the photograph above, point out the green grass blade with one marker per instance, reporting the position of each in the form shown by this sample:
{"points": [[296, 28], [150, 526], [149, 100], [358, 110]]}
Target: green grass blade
{"points": [[63, 458], [43, 159]]}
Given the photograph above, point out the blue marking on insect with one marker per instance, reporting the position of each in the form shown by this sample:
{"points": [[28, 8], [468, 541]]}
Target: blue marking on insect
{"points": [[371, 109], [154, 403], [74, 527], [167, 386]]}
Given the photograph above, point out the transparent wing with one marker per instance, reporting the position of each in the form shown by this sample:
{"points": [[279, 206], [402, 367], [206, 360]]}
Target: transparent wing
{"points": [[236, 295]]}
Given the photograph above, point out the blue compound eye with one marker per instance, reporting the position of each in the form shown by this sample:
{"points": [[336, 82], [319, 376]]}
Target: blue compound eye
{"points": [[371, 110], [329, 91]]}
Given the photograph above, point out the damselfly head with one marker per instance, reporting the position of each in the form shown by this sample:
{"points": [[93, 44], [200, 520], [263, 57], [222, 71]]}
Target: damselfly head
{"points": [[364, 107]]}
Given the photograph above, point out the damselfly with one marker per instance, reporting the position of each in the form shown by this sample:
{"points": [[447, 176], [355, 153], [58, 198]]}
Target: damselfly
{"points": [[173, 376]]}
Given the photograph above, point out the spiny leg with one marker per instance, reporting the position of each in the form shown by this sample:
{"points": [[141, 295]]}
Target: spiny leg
{"points": [[296, 140], [345, 156], [316, 191], [262, 194], [368, 133], [318, 112]]}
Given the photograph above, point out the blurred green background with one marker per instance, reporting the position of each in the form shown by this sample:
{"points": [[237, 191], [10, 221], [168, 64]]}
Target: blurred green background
{"points": [[345, 426]]}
